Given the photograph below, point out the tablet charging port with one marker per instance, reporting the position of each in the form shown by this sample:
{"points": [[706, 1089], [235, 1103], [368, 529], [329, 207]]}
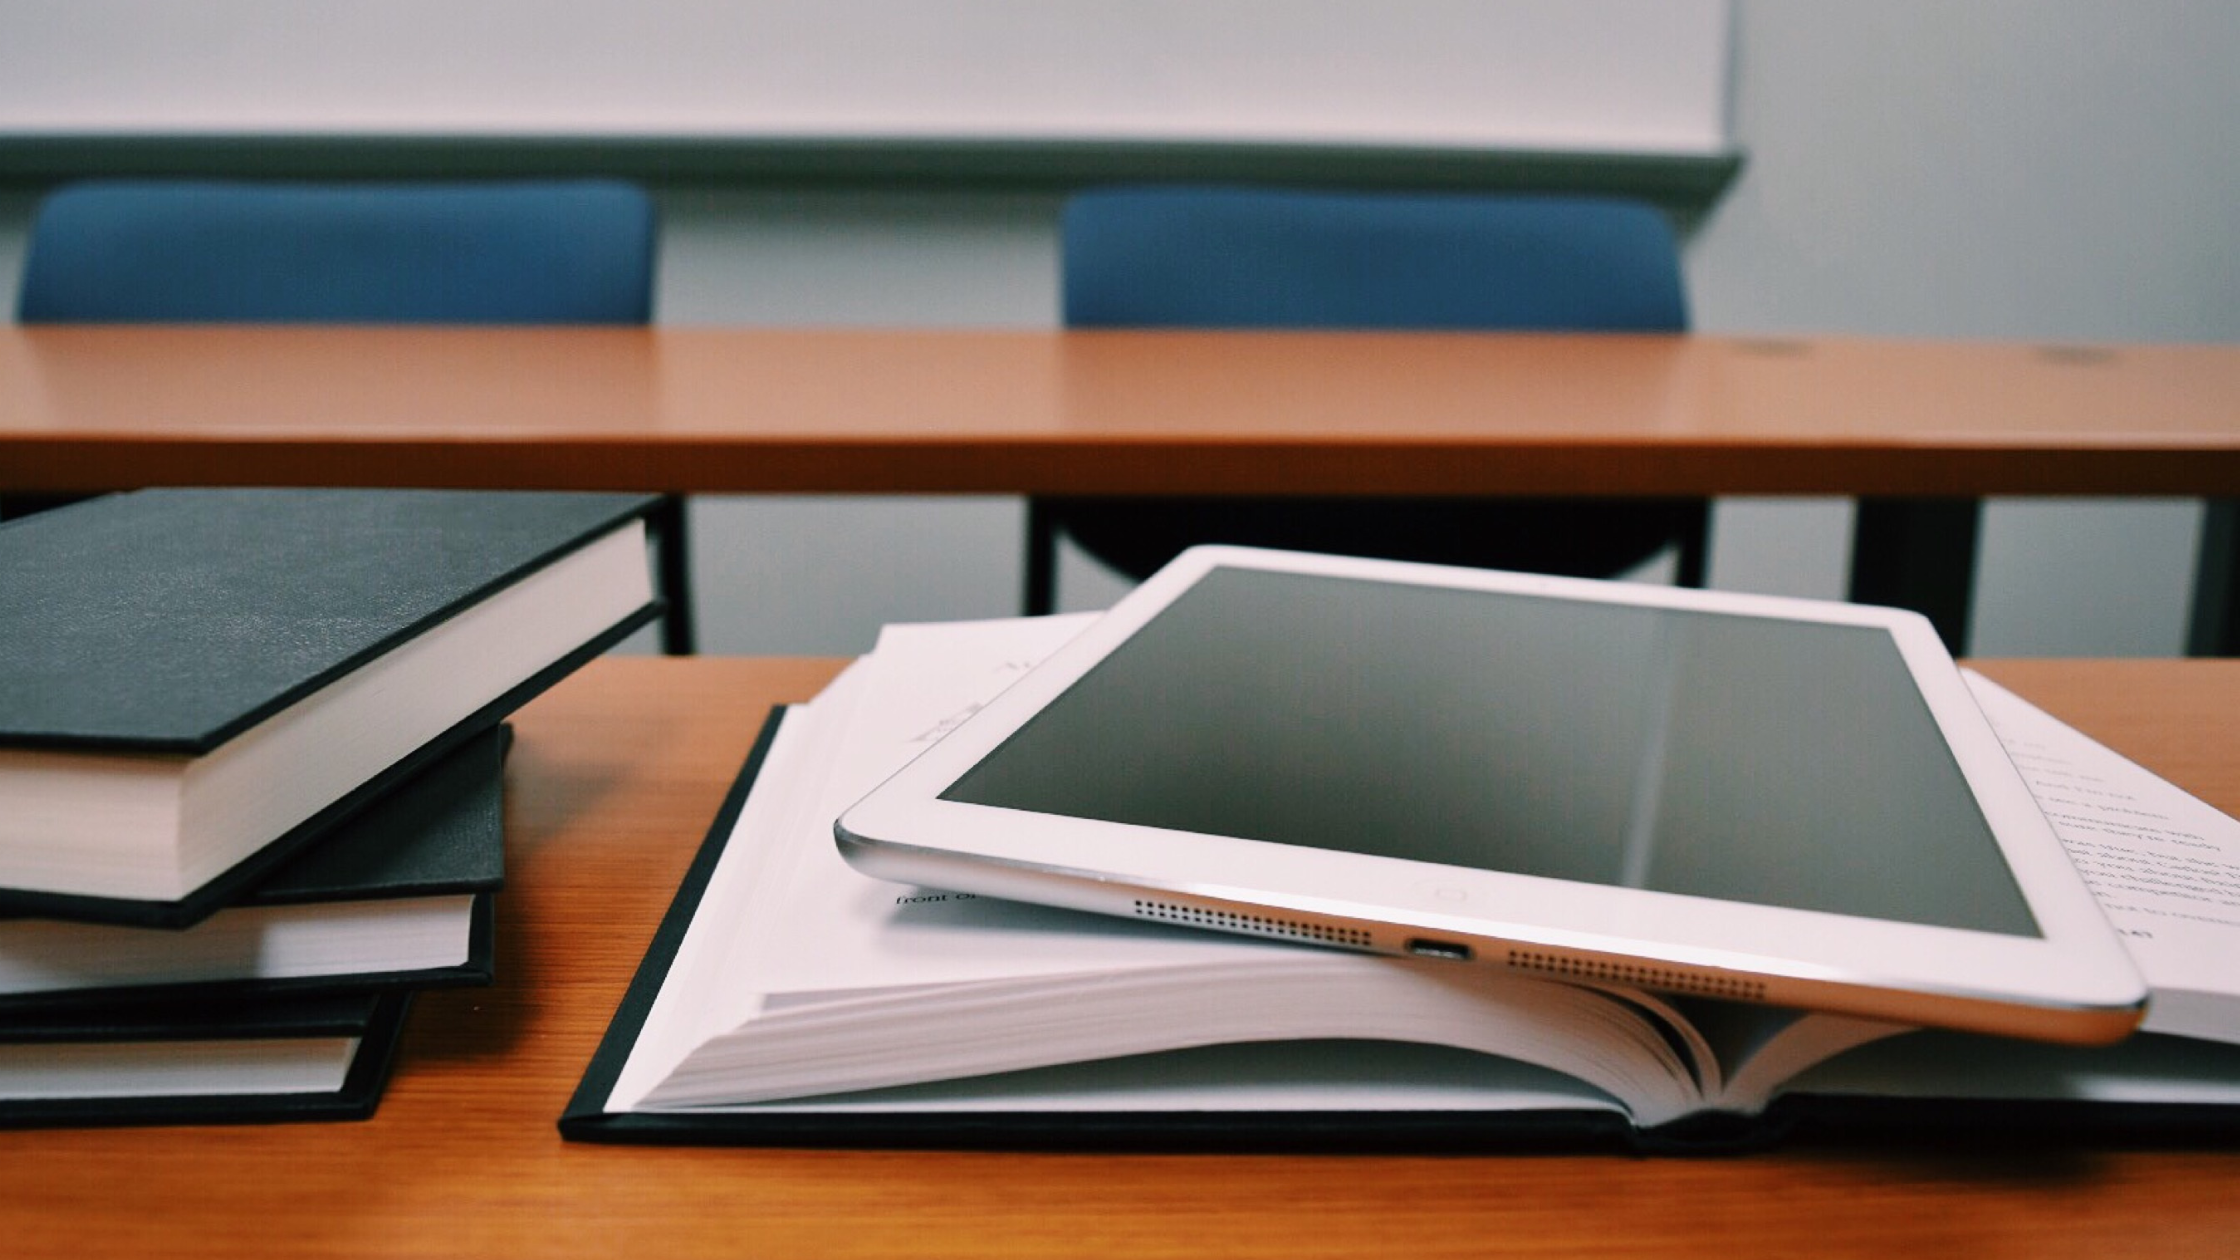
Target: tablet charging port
{"points": [[1424, 948]]}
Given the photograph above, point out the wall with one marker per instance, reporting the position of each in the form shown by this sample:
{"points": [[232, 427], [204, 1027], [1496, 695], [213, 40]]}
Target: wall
{"points": [[794, 575], [1599, 75], [2048, 171]]}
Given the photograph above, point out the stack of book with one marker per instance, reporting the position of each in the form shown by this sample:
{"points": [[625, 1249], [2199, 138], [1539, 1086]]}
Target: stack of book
{"points": [[251, 774]]}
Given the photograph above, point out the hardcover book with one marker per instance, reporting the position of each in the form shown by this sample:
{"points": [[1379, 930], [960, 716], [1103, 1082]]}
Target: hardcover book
{"points": [[398, 896], [199, 682], [313, 1058], [789, 999]]}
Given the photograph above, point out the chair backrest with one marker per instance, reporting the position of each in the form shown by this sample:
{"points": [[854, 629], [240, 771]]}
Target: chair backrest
{"points": [[1252, 258], [191, 251]]}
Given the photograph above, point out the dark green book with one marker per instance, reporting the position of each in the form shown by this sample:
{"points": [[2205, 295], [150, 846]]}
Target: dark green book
{"points": [[311, 1058], [398, 896], [198, 683]]}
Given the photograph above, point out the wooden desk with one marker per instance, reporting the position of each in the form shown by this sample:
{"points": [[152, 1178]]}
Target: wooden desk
{"points": [[612, 782], [1137, 413]]}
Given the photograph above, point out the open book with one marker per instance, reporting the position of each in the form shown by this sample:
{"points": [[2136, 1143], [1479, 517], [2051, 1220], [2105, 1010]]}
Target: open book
{"points": [[792, 999]]}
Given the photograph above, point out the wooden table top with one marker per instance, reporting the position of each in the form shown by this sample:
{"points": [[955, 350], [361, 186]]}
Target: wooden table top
{"points": [[612, 782], [770, 410]]}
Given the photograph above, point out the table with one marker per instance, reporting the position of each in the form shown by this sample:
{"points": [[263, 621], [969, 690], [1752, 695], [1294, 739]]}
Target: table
{"points": [[1918, 430], [614, 778]]}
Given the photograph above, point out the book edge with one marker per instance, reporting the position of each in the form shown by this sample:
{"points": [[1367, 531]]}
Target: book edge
{"points": [[477, 969], [1535, 1132], [587, 1106], [362, 1087]]}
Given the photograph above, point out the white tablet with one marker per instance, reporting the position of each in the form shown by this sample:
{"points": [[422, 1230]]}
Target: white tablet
{"points": [[1745, 797]]}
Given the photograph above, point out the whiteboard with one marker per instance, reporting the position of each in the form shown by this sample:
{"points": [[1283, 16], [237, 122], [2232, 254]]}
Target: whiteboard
{"points": [[1592, 76]]}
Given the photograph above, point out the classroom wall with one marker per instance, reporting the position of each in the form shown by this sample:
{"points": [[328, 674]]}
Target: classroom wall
{"points": [[2062, 170], [1610, 75]]}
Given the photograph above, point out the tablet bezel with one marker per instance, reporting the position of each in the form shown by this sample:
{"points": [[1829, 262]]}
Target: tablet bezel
{"points": [[2074, 983]]}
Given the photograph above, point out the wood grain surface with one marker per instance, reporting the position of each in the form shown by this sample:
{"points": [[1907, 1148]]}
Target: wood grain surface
{"points": [[613, 780], [979, 411]]}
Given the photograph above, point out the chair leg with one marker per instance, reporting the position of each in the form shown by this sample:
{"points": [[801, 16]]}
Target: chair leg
{"points": [[673, 570], [1695, 550], [1041, 560], [1919, 554], [2216, 583]]}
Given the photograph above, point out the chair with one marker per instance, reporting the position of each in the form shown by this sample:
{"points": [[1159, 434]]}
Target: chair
{"points": [[1245, 258], [128, 251], [566, 252]]}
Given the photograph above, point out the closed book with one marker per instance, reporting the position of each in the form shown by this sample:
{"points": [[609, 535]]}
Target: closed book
{"points": [[397, 896], [311, 1058], [196, 683]]}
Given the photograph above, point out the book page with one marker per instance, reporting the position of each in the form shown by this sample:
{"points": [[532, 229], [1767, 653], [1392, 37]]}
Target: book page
{"points": [[1290, 1076], [785, 922], [828, 932], [2164, 865], [694, 1001], [797, 965]]}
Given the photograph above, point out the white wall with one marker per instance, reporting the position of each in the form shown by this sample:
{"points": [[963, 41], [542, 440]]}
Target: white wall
{"points": [[1622, 75], [2056, 171], [787, 575]]}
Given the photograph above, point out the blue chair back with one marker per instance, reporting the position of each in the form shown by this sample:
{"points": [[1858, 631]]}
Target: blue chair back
{"points": [[1213, 257], [1249, 258], [123, 251]]}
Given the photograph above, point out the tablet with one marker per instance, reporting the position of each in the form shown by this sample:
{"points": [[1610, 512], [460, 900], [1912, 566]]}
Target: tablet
{"points": [[1733, 796]]}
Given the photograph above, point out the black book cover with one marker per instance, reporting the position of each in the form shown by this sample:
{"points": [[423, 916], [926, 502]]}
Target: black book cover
{"points": [[1804, 1119], [377, 1020], [217, 608], [440, 832], [172, 620]]}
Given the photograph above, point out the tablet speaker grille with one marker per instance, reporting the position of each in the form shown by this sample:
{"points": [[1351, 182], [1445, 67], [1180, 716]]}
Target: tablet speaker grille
{"points": [[1256, 924], [1640, 976]]}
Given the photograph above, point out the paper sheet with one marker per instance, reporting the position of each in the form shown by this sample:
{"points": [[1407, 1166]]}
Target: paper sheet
{"points": [[2164, 865]]}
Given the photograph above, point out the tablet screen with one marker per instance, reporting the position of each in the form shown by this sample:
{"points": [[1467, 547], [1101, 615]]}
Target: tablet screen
{"points": [[1754, 759]]}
